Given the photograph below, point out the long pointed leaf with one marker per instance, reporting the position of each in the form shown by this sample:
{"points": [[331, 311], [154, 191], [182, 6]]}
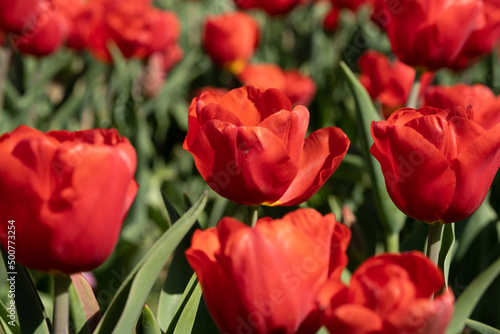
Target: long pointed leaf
{"points": [[8, 321], [183, 300], [178, 277], [126, 306], [30, 311], [467, 301], [389, 214], [188, 315], [147, 323], [481, 328], [446, 252], [84, 307]]}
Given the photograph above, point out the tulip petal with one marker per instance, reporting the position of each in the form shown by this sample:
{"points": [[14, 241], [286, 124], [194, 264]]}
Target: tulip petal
{"points": [[354, 319], [243, 104], [294, 274], [423, 316], [338, 256], [475, 168], [202, 256], [213, 111], [193, 123], [272, 101], [249, 165], [290, 128], [323, 152], [413, 168]]}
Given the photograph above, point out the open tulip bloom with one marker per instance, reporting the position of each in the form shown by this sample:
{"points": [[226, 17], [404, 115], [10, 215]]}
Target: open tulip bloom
{"points": [[438, 164], [389, 294], [68, 193], [265, 279], [250, 147]]}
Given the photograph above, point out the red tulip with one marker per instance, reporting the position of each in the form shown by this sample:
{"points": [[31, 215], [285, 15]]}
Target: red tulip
{"points": [[249, 146], [351, 4], [35, 27], [431, 33], [230, 39], [67, 195], [387, 81], [389, 294], [265, 279], [483, 39], [438, 164], [263, 76], [331, 20], [299, 88], [15, 15], [485, 104], [135, 27], [275, 7], [78, 15]]}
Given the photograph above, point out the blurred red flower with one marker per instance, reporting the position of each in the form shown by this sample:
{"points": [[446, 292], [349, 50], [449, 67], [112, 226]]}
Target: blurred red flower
{"points": [[388, 82], [275, 7], [438, 164], [431, 33], [135, 27], [389, 294], [35, 27], [265, 279], [230, 39], [485, 104], [351, 4], [299, 88], [68, 194], [483, 38], [249, 146], [331, 20]]}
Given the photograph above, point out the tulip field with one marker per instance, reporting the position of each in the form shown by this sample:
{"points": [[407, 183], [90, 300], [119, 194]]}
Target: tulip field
{"points": [[250, 166]]}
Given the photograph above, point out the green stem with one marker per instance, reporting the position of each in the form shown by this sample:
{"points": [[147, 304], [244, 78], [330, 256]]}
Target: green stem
{"points": [[252, 215], [412, 101], [61, 304], [434, 242], [5, 54], [392, 242]]}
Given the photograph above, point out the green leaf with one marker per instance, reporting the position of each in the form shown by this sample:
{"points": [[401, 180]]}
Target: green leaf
{"points": [[178, 277], [392, 219], [183, 301], [446, 251], [479, 327], [84, 308], [188, 315], [6, 318], [147, 323], [218, 208], [30, 311], [467, 301], [126, 306], [172, 212]]}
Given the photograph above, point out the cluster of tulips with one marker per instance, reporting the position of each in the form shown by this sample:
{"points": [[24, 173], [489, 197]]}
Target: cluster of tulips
{"points": [[437, 148]]}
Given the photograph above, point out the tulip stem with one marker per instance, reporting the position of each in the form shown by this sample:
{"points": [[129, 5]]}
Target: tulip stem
{"points": [[392, 242], [412, 101], [252, 215], [61, 303], [434, 242]]}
